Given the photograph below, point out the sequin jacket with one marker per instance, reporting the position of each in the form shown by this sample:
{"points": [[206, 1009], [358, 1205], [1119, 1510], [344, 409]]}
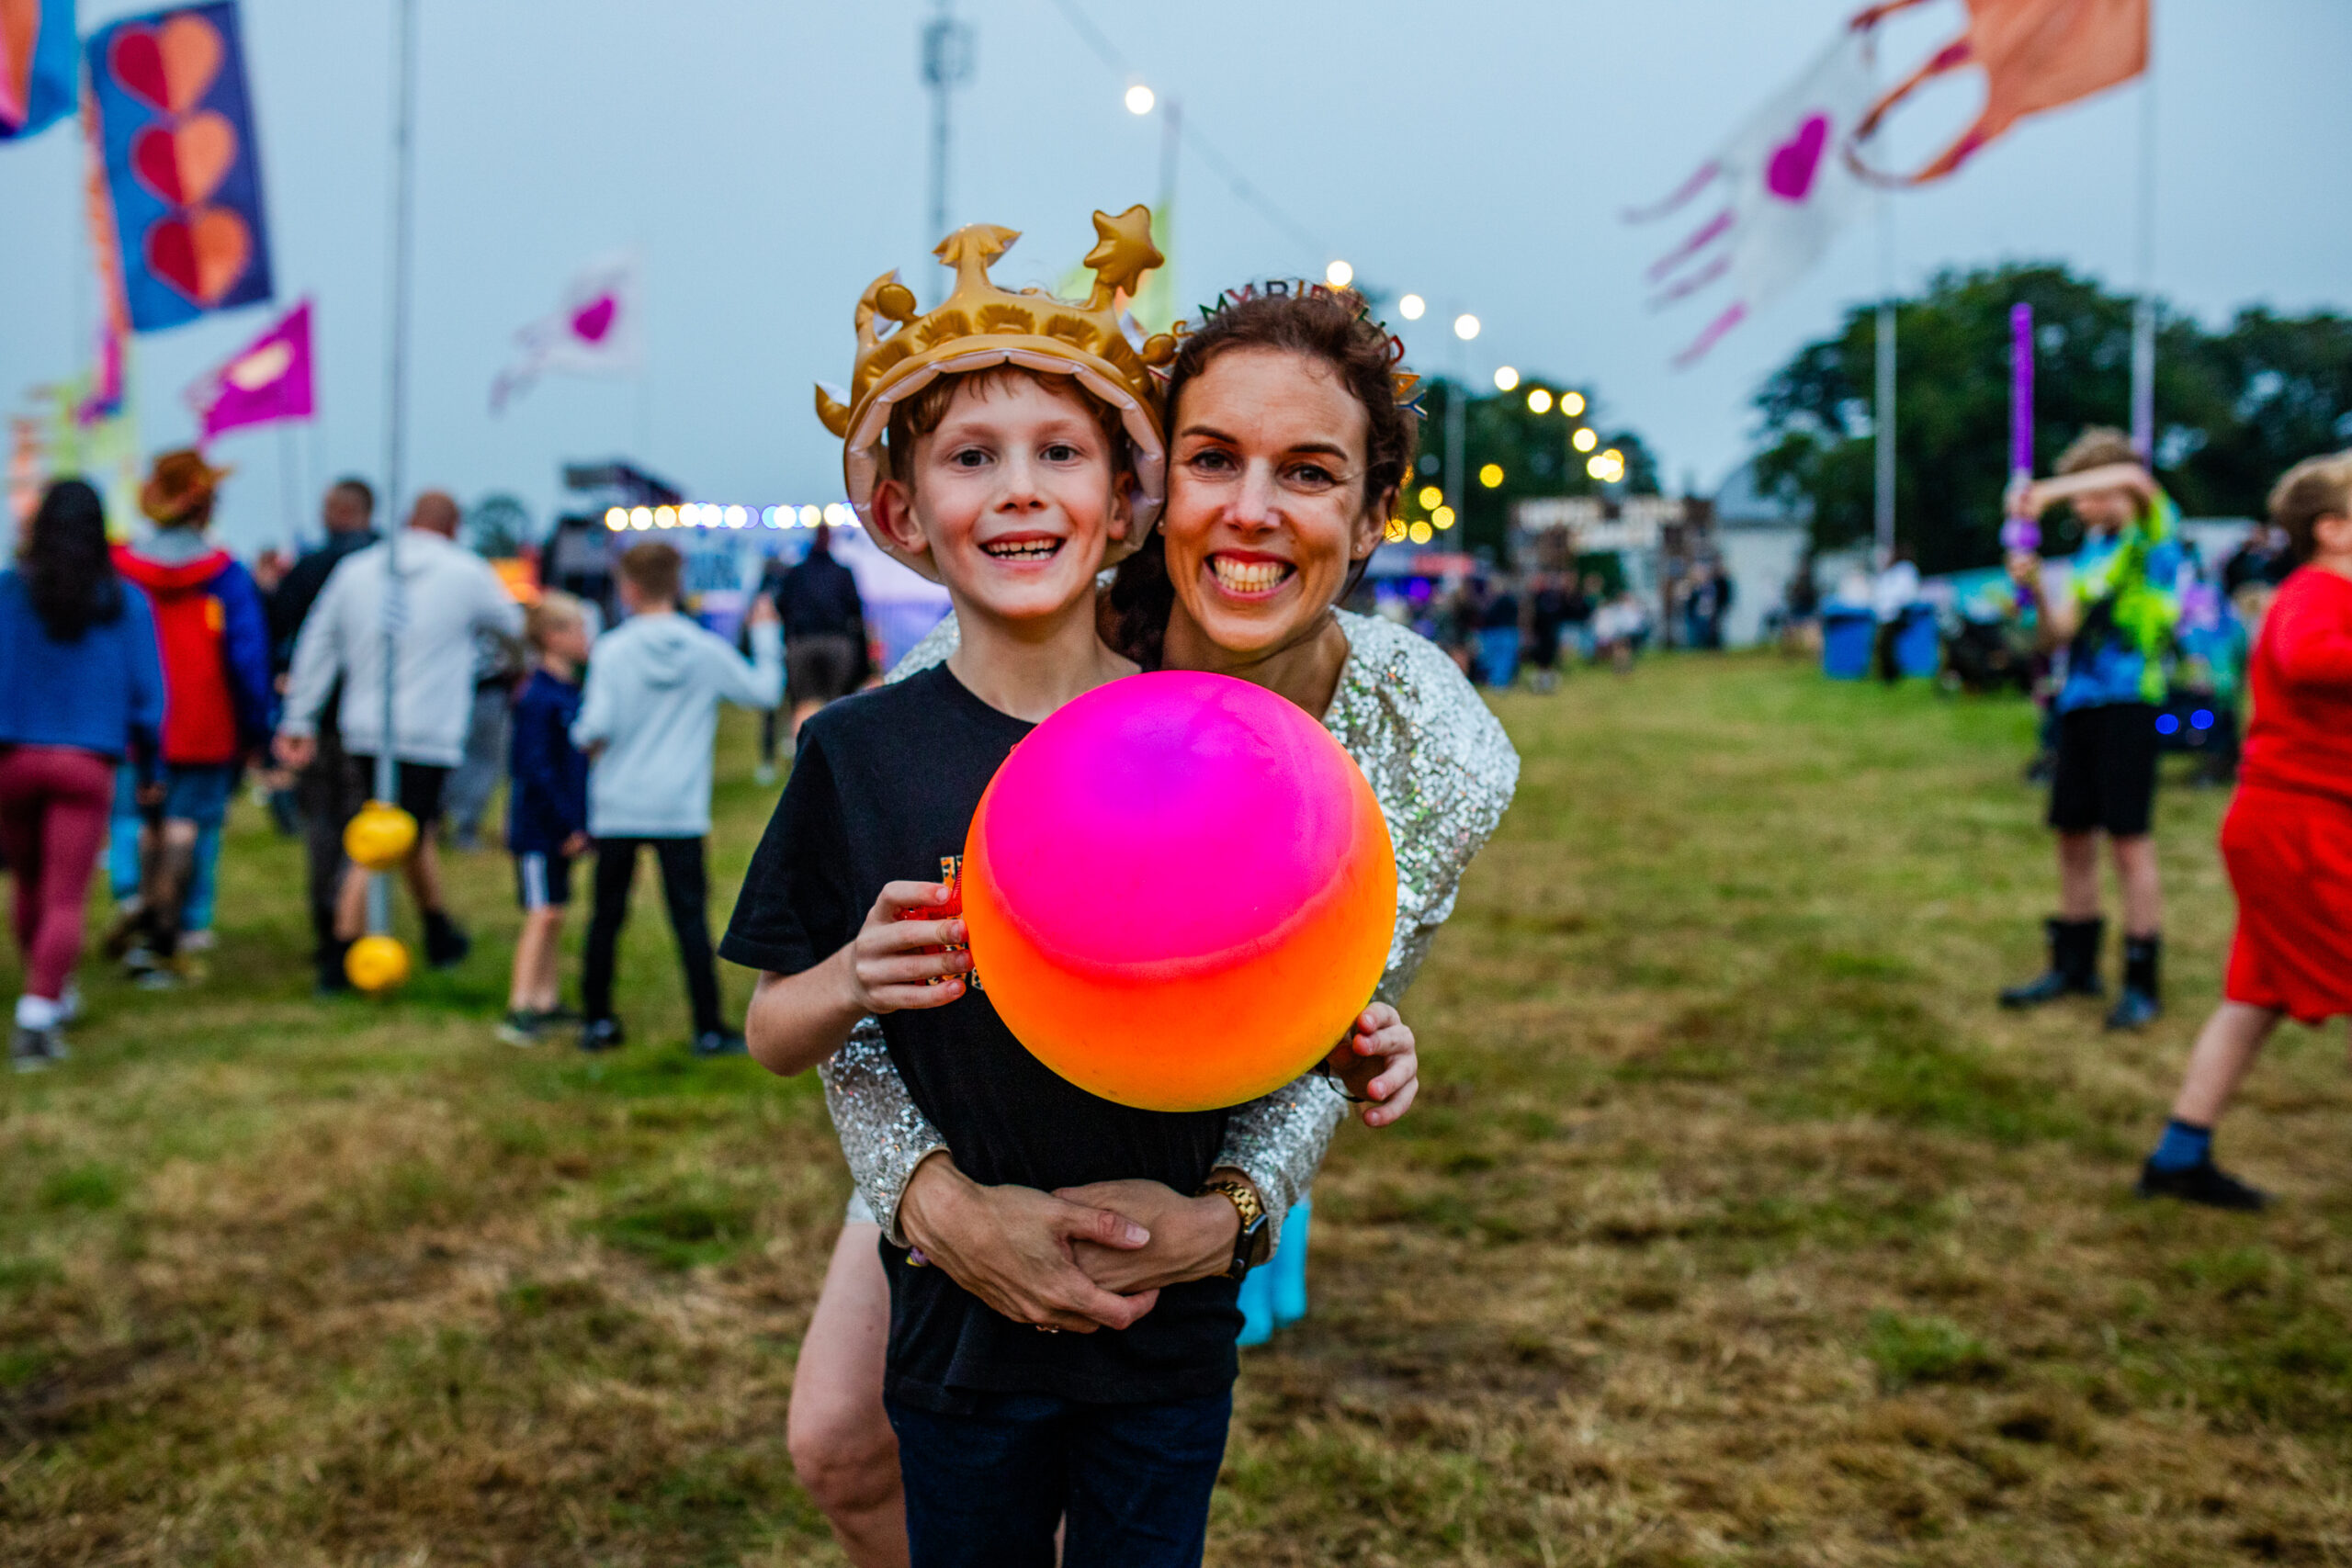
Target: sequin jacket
{"points": [[1443, 771]]}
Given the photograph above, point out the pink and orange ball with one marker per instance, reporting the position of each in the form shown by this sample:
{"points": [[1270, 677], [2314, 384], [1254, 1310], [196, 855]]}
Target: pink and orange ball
{"points": [[1180, 892]]}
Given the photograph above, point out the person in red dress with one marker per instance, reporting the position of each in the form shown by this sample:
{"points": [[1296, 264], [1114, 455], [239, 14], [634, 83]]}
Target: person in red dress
{"points": [[2288, 838]]}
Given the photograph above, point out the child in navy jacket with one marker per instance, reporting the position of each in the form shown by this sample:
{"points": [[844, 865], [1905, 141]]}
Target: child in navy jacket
{"points": [[547, 813]]}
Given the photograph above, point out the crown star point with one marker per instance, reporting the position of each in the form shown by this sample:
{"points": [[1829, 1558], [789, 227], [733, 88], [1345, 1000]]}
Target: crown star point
{"points": [[1122, 251]]}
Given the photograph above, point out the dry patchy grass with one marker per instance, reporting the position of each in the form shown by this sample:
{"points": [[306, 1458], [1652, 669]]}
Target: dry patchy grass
{"points": [[1737, 1228]]}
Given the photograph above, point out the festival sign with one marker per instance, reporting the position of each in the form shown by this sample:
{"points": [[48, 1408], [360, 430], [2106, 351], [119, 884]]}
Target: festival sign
{"points": [[38, 62], [183, 171]]}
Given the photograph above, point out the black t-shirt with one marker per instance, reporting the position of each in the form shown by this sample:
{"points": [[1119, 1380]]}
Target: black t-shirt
{"points": [[882, 786]]}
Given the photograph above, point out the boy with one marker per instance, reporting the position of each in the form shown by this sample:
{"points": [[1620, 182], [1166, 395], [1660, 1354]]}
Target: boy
{"points": [[2116, 625], [546, 812], [647, 722], [1009, 482], [215, 641]]}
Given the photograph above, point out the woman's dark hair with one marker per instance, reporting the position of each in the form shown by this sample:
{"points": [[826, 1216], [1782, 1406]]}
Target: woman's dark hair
{"points": [[1333, 325], [68, 571]]}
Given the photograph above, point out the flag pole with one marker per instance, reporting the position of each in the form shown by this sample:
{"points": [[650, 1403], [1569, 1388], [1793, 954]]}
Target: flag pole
{"points": [[1882, 422], [2144, 314], [395, 612]]}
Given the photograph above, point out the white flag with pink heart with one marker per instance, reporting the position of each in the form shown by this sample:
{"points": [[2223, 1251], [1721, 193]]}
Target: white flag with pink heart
{"points": [[1784, 185], [596, 331]]}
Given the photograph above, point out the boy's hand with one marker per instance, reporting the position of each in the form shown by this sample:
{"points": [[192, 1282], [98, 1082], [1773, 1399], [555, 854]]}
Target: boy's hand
{"points": [[1191, 1239], [1012, 1247], [763, 611], [887, 968], [576, 846], [296, 751], [1378, 1063]]}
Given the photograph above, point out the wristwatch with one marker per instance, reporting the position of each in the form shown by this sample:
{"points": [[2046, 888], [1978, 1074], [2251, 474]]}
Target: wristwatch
{"points": [[1255, 1242]]}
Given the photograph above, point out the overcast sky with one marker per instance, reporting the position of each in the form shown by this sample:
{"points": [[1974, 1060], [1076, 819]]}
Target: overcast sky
{"points": [[768, 159]]}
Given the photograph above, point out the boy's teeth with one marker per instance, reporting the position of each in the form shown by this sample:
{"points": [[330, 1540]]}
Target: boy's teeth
{"points": [[1025, 549], [1249, 576]]}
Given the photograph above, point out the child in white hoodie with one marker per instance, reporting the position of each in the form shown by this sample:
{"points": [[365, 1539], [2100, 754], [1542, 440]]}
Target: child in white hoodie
{"points": [[647, 721]]}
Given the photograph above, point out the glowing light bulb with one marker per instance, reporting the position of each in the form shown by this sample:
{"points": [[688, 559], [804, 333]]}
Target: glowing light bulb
{"points": [[665, 517], [1140, 98], [1396, 531], [738, 517], [1491, 475], [1572, 403], [641, 518], [1338, 274], [1539, 401], [616, 519], [1442, 517], [768, 517], [1506, 378], [1419, 534], [810, 516], [1411, 306], [1432, 497], [1584, 440], [1465, 326], [836, 512]]}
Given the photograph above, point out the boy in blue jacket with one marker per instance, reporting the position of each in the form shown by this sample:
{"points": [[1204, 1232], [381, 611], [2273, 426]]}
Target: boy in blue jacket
{"points": [[547, 813]]}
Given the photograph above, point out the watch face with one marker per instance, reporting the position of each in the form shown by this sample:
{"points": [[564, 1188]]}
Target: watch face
{"points": [[1258, 1241]]}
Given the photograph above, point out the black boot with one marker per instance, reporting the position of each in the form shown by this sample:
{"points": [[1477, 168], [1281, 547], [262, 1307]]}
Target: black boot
{"points": [[2140, 1005], [445, 945], [2074, 965]]}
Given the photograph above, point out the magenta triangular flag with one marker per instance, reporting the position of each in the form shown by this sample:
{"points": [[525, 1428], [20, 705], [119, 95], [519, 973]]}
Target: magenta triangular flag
{"points": [[269, 380]]}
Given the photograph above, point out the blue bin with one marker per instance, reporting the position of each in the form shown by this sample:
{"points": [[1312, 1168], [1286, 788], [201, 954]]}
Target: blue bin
{"points": [[1919, 643], [1847, 635]]}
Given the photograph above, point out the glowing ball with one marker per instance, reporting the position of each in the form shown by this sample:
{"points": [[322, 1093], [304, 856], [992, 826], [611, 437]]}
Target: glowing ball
{"points": [[1180, 892], [376, 964], [379, 837]]}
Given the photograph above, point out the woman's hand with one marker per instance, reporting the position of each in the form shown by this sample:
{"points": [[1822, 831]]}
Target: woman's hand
{"points": [[1378, 1063], [886, 966], [1191, 1239], [1015, 1248]]}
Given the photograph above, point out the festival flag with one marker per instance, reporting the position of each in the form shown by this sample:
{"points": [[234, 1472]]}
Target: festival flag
{"points": [[183, 174], [2036, 55], [1785, 188], [269, 380], [596, 332], [38, 60]]}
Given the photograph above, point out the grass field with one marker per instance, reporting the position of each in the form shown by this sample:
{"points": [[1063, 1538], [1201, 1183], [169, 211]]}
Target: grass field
{"points": [[1735, 1227]]}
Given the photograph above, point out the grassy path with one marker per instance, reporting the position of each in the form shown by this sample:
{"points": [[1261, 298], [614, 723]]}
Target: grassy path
{"points": [[1739, 1227]]}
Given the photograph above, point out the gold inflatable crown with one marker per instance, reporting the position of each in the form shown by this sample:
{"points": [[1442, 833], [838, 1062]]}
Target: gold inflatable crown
{"points": [[979, 326]]}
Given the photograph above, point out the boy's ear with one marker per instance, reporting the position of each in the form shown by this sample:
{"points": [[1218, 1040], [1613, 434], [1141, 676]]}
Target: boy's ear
{"points": [[1123, 509], [894, 517]]}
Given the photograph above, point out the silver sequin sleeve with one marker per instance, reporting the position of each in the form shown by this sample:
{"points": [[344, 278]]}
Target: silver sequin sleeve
{"points": [[1444, 772]]}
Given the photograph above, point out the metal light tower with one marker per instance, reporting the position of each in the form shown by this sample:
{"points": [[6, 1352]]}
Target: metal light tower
{"points": [[947, 65]]}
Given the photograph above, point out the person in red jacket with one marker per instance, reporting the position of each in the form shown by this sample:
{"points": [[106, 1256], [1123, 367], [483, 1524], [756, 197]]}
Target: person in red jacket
{"points": [[2287, 837], [214, 639]]}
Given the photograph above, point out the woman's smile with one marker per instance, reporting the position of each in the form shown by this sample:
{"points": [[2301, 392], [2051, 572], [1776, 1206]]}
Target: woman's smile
{"points": [[1249, 574]]}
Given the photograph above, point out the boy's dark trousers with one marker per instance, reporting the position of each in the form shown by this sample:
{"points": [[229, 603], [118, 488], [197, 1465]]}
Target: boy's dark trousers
{"points": [[985, 1490], [685, 888]]}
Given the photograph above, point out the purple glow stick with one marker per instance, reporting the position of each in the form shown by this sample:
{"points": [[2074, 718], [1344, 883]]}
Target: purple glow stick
{"points": [[2021, 533]]}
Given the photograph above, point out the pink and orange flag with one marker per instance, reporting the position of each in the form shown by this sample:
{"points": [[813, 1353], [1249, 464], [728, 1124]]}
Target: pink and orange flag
{"points": [[2036, 55]]}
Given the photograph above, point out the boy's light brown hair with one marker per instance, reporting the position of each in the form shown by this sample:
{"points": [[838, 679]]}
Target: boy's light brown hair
{"points": [[2097, 448], [654, 569], [2313, 488], [555, 611], [913, 418]]}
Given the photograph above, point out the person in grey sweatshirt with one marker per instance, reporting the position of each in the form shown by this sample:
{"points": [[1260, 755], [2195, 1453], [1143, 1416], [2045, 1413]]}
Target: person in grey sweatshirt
{"points": [[647, 721], [449, 594]]}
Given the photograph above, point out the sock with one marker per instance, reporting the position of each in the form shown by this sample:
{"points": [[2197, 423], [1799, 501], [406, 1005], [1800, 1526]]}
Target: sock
{"points": [[36, 1013], [2183, 1145]]}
